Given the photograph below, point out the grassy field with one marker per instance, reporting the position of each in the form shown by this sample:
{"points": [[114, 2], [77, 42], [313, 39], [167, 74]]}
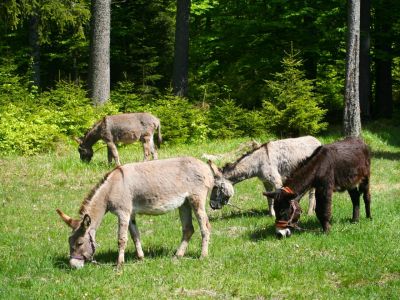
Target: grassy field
{"points": [[358, 261]]}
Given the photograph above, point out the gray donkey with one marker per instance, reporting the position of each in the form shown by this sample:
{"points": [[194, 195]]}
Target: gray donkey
{"points": [[152, 187], [125, 128], [272, 163]]}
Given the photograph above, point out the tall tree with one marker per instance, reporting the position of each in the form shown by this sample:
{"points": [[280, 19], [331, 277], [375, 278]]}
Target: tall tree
{"points": [[365, 59], [35, 48], [99, 68], [352, 119], [384, 19], [181, 56]]}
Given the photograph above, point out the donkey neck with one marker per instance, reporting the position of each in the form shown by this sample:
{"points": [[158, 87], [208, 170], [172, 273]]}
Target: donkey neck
{"points": [[248, 166], [303, 177], [95, 204], [93, 135]]}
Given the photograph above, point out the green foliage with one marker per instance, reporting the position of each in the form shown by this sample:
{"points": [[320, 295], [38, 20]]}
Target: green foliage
{"points": [[181, 121], [227, 120], [31, 123], [292, 106]]}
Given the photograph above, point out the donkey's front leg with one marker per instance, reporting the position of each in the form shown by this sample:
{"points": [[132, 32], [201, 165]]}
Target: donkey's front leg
{"points": [[323, 207], [185, 214], [112, 149], [199, 208], [311, 202], [136, 237], [123, 224]]}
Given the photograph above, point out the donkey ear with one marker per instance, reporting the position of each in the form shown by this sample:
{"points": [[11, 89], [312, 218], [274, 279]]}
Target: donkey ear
{"points": [[271, 194], [86, 221], [216, 172], [68, 220], [78, 140]]}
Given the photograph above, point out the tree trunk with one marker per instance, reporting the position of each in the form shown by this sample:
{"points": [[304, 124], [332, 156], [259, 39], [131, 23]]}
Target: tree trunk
{"points": [[351, 119], [99, 70], [365, 60], [35, 49], [181, 58]]}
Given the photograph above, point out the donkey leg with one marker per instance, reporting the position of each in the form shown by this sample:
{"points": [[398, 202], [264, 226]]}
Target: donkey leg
{"points": [[268, 187], [198, 204], [114, 152], [153, 149], [185, 214], [355, 199], [323, 207], [311, 202], [109, 155], [364, 188], [136, 237], [123, 224], [146, 147]]}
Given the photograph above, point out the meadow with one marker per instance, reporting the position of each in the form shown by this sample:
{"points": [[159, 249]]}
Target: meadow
{"points": [[246, 261]]}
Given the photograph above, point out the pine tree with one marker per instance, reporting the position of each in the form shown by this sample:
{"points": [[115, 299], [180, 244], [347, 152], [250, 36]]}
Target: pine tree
{"points": [[292, 106]]}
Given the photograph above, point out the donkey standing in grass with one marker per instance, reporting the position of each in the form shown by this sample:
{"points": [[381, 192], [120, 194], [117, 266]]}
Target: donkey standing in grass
{"points": [[340, 166], [271, 163], [153, 187], [125, 128]]}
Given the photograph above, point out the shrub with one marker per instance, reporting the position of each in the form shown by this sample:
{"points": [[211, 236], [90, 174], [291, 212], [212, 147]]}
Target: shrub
{"points": [[181, 121]]}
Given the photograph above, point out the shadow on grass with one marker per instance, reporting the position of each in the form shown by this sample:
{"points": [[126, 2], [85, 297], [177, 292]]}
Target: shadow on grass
{"points": [[110, 257], [386, 155], [240, 214], [267, 233]]}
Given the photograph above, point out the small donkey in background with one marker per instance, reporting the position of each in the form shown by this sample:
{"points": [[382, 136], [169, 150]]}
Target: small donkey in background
{"points": [[125, 128]]}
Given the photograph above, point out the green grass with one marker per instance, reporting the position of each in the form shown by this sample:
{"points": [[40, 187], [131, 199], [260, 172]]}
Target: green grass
{"points": [[358, 261]]}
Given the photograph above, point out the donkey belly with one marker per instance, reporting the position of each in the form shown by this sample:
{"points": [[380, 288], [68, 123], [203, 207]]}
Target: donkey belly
{"points": [[158, 205]]}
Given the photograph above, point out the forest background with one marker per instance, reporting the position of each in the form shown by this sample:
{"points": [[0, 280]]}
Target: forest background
{"points": [[255, 67]]}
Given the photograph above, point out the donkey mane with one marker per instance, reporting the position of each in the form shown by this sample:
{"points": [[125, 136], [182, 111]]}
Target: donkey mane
{"points": [[92, 130], [306, 160], [93, 191], [230, 166]]}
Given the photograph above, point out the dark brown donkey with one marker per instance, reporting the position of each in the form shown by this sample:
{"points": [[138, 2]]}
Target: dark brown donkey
{"points": [[340, 166], [124, 128]]}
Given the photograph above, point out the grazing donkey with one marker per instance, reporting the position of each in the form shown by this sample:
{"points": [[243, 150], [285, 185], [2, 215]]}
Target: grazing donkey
{"points": [[152, 187], [343, 165], [271, 163], [125, 128]]}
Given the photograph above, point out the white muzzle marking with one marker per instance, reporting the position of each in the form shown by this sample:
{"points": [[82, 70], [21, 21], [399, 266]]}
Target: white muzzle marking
{"points": [[283, 232], [76, 263]]}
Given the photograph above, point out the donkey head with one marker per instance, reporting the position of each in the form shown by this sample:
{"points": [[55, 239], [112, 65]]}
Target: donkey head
{"points": [[287, 210], [82, 243], [222, 190], [85, 152]]}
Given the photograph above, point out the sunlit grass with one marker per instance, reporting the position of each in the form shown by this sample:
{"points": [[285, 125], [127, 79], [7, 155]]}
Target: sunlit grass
{"points": [[359, 261]]}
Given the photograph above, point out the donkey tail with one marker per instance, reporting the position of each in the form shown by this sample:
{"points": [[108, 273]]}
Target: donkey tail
{"points": [[159, 137]]}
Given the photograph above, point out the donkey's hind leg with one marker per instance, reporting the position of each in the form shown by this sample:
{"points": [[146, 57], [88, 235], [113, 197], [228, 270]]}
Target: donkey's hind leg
{"points": [[185, 214], [364, 188], [198, 204], [153, 149], [355, 199], [136, 237], [146, 141]]}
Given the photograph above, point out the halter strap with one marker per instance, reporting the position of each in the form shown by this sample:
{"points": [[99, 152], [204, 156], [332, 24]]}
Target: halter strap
{"points": [[288, 190], [81, 257]]}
